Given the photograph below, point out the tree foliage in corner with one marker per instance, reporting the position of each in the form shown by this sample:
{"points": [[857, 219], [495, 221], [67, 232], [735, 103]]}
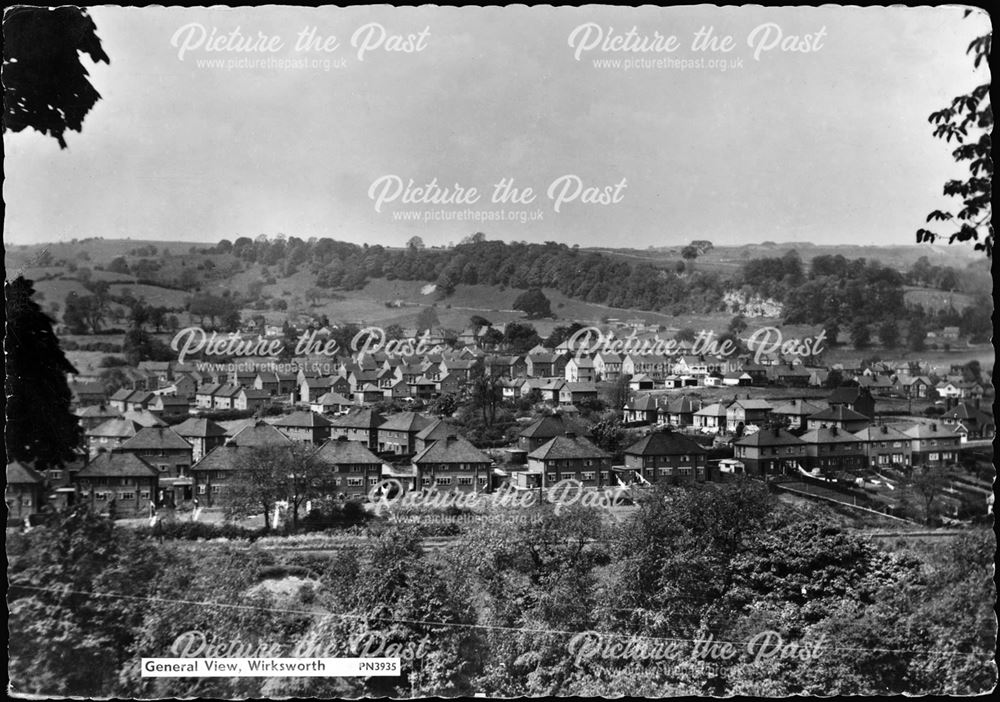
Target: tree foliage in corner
{"points": [[40, 426], [969, 121], [46, 87]]}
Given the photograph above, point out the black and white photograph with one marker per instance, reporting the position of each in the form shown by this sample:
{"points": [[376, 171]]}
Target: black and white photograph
{"points": [[498, 352]]}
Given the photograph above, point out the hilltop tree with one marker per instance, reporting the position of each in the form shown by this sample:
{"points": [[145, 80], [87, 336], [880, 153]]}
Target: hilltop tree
{"points": [[46, 86], [969, 121], [534, 303], [690, 253], [40, 426]]}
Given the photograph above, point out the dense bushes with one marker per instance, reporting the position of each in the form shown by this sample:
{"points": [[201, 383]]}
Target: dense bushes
{"points": [[197, 530]]}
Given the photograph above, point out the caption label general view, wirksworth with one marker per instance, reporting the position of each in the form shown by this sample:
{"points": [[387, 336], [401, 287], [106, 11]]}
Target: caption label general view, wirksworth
{"points": [[411, 352]]}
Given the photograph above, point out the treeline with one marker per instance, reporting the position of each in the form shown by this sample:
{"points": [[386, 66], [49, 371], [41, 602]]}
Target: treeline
{"points": [[591, 277]]}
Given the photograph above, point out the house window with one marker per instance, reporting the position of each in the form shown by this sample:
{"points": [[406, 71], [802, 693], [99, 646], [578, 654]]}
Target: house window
{"points": [[355, 482], [446, 480], [26, 501], [144, 494], [426, 480], [126, 495], [162, 468], [201, 490], [686, 470], [569, 476], [666, 471], [465, 481], [216, 488], [588, 475], [551, 477], [932, 457], [55, 474]]}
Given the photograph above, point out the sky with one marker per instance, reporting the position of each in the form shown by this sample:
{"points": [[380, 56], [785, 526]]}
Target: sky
{"points": [[816, 129]]}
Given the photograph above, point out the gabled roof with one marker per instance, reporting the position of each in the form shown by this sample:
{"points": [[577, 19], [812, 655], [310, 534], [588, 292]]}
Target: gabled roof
{"points": [[171, 401], [406, 421], [839, 413], [828, 435], [155, 438], [117, 465], [225, 457], [645, 403], [883, 432], [303, 419], [199, 427], [684, 405], [455, 449], [333, 398], [664, 443], [543, 428], [967, 411], [564, 447], [438, 429], [259, 434], [366, 418], [770, 437], [21, 474], [209, 389], [930, 431], [798, 408], [338, 451], [750, 403], [97, 411], [713, 410], [144, 418], [115, 428]]}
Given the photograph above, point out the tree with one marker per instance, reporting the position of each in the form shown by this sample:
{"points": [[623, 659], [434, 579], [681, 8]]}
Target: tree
{"points": [[257, 484], [477, 322], [888, 333], [534, 303], [65, 641], [686, 334], [969, 120], [45, 84], [928, 483], [916, 337], [860, 335], [738, 324], [487, 394], [609, 435], [427, 319], [118, 265], [41, 429], [689, 253], [415, 243]]}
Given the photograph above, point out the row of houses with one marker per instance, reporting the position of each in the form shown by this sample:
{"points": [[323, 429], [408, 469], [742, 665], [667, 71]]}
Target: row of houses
{"points": [[831, 449]]}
